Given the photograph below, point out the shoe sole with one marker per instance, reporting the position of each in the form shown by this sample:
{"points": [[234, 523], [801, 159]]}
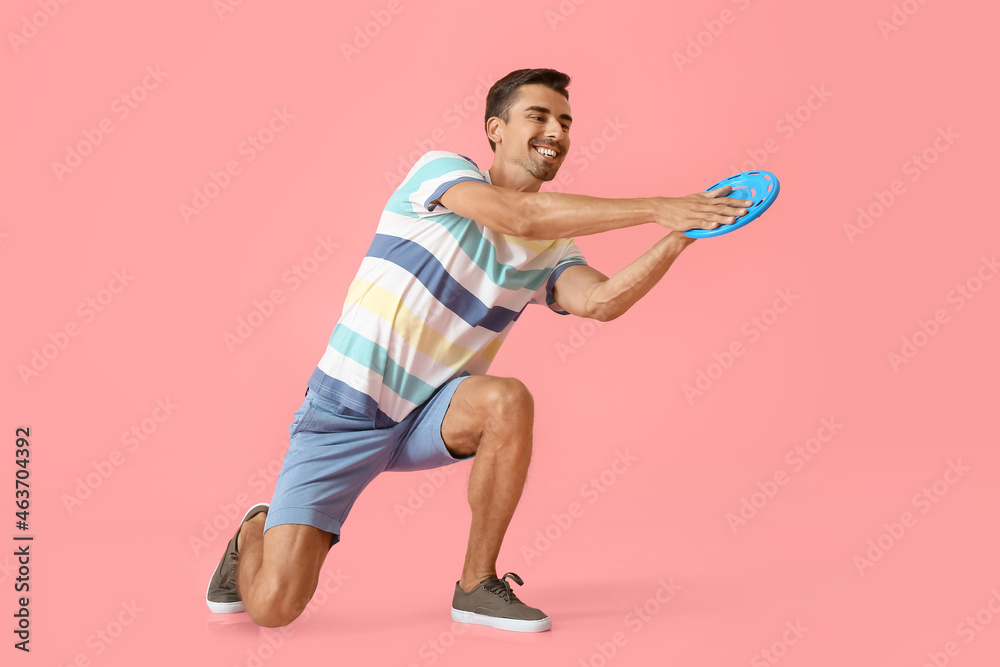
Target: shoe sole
{"points": [[230, 607], [512, 624]]}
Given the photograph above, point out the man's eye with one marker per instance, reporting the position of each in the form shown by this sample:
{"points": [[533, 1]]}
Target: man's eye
{"points": [[538, 117]]}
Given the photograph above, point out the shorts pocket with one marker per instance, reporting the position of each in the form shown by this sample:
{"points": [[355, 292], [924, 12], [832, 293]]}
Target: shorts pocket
{"points": [[297, 420], [323, 416]]}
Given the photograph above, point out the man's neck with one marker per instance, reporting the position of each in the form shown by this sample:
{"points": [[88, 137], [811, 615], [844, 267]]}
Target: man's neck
{"points": [[512, 177]]}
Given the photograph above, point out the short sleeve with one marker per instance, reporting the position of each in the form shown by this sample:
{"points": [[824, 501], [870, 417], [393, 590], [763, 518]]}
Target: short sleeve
{"points": [[433, 174], [571, 256]]}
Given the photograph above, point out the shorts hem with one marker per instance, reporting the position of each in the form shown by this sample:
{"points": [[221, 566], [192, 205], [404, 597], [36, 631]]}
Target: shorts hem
{"points": [[303, 516], [428, 417], [440, 410]]}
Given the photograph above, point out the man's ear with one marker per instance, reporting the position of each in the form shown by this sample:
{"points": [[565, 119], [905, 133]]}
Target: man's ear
{"points": [[494, 127]]}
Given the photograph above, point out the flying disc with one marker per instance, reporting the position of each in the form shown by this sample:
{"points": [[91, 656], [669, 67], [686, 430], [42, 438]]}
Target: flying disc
{"points": [[761, 187]]}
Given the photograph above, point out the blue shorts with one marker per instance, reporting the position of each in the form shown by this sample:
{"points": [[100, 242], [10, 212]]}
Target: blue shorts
{"points": [[335, 452]]}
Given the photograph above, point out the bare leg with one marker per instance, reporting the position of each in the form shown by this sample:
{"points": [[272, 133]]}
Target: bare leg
{"points": [[494, 418], [277, 572], [250, 545]]}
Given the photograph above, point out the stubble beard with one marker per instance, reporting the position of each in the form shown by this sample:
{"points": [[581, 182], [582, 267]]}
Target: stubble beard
{"points": [[540, 171]]}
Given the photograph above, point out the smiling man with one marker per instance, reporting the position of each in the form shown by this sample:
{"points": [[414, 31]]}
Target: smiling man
{"points": [[458, 255]]}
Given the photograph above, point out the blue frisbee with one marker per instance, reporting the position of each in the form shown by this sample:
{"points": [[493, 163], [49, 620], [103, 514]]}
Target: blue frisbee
{"points": [[761, 187]]}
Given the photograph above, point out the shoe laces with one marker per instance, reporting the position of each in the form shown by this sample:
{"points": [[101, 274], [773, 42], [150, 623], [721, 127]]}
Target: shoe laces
{"points": [[501, 588]]}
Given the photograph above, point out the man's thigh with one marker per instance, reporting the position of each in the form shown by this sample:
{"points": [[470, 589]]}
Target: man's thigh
{"points": [[332, 456]]}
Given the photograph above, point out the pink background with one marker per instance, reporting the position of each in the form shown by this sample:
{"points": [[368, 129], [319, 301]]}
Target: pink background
{"points": [[129, 551]]}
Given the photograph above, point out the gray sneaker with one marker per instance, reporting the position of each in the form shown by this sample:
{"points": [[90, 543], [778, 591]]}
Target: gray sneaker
{"points": [[221, 595], [493, 603]]}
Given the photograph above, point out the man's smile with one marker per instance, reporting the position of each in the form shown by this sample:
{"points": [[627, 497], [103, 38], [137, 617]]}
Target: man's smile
{"points": [[547, 151]]}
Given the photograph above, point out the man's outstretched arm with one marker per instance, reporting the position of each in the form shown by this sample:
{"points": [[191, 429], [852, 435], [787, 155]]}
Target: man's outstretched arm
{"points": [[556, 215], [586, 292]]}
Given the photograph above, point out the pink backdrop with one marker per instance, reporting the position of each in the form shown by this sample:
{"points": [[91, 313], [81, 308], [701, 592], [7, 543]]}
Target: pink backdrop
{"points": [[826, 496]]}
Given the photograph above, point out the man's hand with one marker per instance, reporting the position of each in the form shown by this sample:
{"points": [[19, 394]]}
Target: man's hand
{"points": [[682, 240], [702, 210]]}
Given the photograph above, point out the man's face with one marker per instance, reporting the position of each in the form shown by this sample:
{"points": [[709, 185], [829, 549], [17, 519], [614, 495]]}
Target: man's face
{"points": [[539, 119]]}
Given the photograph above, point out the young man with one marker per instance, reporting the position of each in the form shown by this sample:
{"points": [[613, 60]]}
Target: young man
{"points": [[458, 255]]}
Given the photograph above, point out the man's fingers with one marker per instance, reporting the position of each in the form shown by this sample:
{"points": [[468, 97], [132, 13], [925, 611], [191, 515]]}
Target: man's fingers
{"points": [[718, 196], [709, 210], [718, 192], [722, 218], [732, 202], [722, 214]]}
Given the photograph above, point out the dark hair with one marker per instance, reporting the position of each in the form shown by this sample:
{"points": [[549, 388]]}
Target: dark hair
{"points": [[503, 94]]}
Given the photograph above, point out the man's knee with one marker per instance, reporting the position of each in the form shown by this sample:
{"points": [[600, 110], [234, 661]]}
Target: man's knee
{"points": [[276, 606], [507, 403], [288, 574], [484, 405]]}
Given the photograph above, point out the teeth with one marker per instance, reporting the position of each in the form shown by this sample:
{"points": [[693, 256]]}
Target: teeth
{"points": [[547, 152]]}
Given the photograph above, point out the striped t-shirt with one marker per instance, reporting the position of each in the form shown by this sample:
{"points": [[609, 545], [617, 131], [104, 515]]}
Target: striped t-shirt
{"points": [[434, 298]]}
